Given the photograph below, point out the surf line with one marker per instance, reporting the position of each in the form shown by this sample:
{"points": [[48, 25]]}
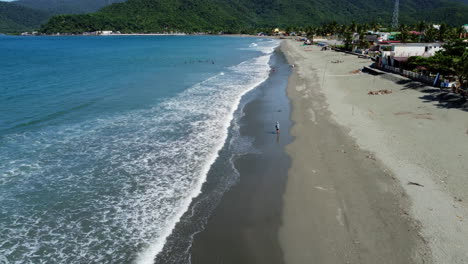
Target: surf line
{"points": [[149, 252]]}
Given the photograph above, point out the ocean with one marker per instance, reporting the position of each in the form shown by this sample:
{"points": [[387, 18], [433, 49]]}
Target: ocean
{"points": [[105, 141]]}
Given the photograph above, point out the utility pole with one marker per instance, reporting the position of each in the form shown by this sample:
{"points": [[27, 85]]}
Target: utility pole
{"points": [[395, 14]]}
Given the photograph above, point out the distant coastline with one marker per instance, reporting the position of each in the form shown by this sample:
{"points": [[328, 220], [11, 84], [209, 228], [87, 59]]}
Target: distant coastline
{"points": [[145, 34]]}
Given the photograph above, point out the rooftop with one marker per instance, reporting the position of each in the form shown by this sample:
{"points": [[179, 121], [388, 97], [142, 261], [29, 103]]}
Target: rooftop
{"points": [[416, 44]]}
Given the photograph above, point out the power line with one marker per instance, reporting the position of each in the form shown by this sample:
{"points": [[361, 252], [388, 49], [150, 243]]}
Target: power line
{"points": [[395, 14]]}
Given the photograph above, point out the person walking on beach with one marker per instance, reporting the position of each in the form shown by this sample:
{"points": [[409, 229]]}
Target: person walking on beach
{"points": [[277, 126]]}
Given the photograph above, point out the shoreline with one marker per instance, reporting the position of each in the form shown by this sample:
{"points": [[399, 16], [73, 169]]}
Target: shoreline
{"points": [[174, 248], [398, 141], [230, 181], [149, 34], [243, 227]]}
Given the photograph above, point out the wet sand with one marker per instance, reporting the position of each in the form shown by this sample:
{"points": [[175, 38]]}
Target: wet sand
{"points": [[244, 226]]}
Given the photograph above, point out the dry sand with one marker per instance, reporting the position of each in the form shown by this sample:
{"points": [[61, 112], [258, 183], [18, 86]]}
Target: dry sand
{"points": [[348, 198]]}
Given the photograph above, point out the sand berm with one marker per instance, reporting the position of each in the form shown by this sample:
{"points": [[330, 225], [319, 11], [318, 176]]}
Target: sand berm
{"points": [[374, 178]]}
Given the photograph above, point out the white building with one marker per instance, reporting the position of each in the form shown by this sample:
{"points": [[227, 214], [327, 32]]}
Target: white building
{"points": [[105, 32], [395, 53], [382, 36]]}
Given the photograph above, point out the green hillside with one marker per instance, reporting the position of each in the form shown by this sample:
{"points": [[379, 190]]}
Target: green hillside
{"points": [[16, 18], [236, 15], [67, 6]]}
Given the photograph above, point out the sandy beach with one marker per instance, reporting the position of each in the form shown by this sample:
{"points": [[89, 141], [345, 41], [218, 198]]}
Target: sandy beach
{"points": [[244, 226], [354, 178], [374, 178]]}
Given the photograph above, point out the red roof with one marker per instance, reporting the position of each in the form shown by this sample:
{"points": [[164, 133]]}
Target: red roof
{"points": [[400, 59], [390, 41]]}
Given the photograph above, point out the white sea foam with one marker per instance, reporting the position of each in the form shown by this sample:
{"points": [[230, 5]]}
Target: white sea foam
{"points": [[267, 46], [130, 177], [258, 70]]}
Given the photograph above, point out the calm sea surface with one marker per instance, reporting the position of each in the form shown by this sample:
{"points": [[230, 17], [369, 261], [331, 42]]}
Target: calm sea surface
{"points": [[104, 141]]}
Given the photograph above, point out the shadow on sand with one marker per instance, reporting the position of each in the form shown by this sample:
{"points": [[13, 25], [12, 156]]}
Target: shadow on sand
{"points": [[445, 98]]}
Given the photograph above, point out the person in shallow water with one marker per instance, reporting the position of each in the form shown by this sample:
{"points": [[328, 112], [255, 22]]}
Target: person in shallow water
{"points": [[277, 126]]}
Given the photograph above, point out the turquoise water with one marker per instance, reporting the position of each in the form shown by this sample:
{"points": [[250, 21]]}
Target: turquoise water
{"points": [[104, 141]]}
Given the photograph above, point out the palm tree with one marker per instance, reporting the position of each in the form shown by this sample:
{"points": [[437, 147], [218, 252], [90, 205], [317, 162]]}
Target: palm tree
{"points": [[462, 68], [442, 34], [299, 30], [361, 30], [374, 26], [353, 27], [459, 31], [365, 26], [348, 37], [322, 30], [364, 44], [341, 29], [421, 26], [430, 34], [332, 28], [403, 32], [310, 33]]}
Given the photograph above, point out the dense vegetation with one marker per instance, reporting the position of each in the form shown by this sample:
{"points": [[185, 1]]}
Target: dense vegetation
{"points": [[354, 33], [67, 6], [16, 18], [154, 16], [248, 15], [27, 15]]}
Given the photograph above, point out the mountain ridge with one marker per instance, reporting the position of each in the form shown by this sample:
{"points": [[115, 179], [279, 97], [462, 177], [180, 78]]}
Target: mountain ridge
{"points": [[16, 18], [66, 6], [237, 15]]}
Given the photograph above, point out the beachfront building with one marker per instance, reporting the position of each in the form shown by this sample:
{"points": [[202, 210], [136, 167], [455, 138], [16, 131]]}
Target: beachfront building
{"points": [[371, 38], [394, 54], [278, 32], [464, 34], [105, 32], [34, 33], [385, 36]]}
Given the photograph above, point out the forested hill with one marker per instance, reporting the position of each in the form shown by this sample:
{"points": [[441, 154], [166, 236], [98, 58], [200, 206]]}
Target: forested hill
{"points": [[67, 6], [16, 18], [235, 15], [28, 15]]}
